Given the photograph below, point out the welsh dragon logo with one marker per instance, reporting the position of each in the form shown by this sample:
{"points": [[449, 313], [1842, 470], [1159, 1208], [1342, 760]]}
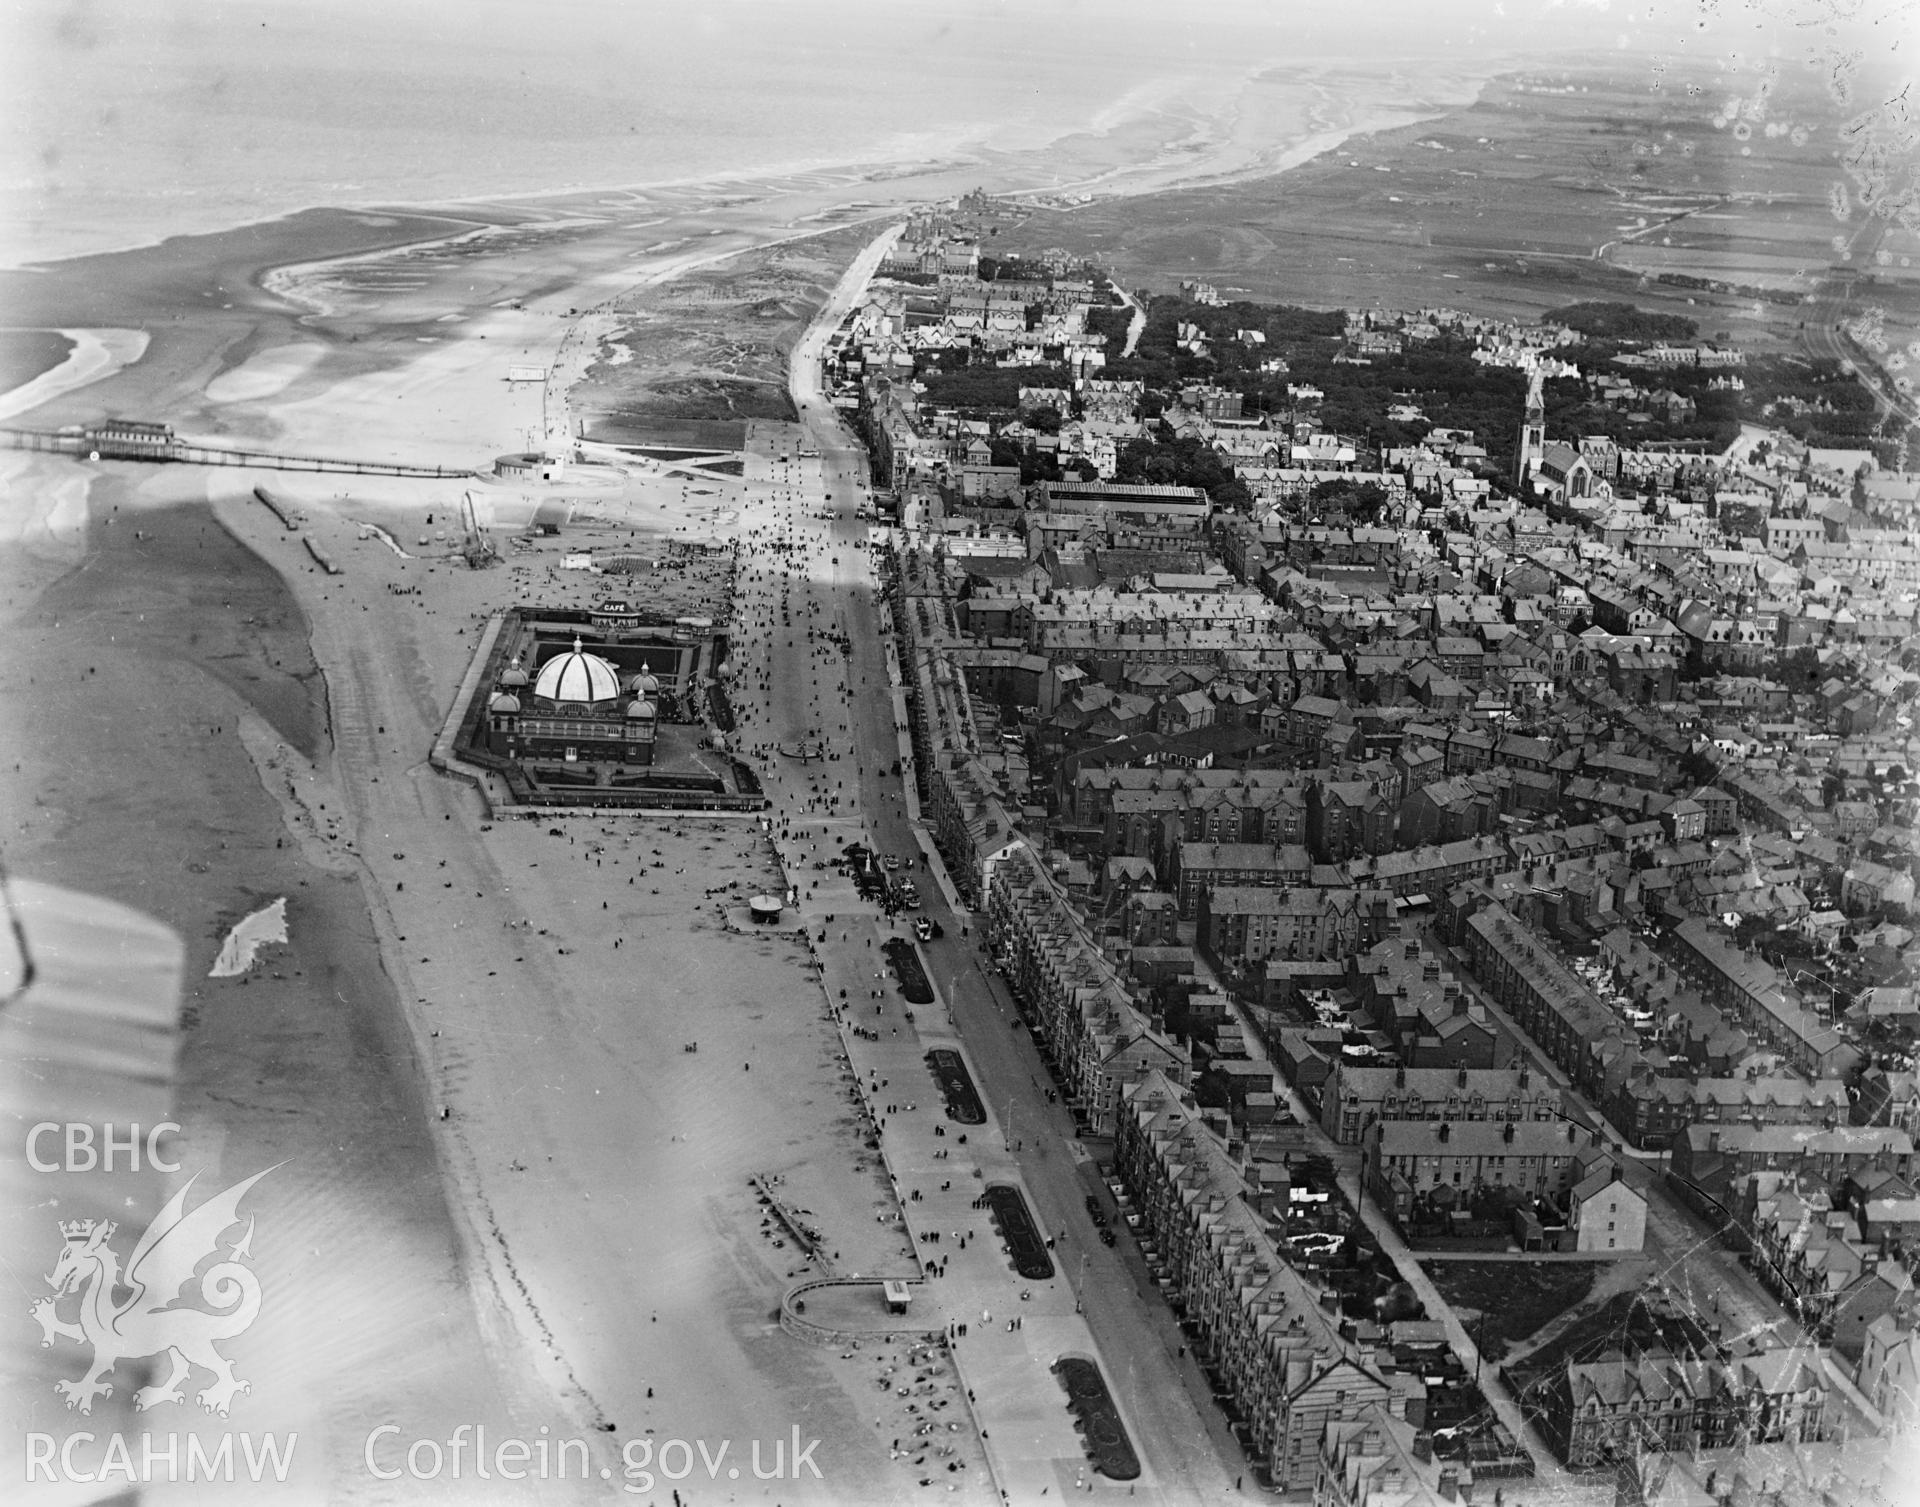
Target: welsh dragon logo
{"points": [[149, 1320]]}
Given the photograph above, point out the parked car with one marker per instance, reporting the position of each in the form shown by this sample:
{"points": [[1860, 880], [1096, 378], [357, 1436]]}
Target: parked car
{"points": [[923, 928]]}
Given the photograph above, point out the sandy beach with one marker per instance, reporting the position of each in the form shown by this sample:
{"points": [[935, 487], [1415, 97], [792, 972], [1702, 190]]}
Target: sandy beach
{"points": [[256, 728], [504, 1189], [90, 355]]}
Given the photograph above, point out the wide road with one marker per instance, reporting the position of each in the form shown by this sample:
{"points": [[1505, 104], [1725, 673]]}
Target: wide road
{"points": [[1163, 1396]]}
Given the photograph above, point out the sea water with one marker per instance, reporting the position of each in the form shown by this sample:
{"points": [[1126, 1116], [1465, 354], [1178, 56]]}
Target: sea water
{"points": [[129, 122]]}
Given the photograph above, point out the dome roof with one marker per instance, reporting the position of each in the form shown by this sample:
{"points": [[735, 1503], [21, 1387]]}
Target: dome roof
{"points": [[644, 684], [513, 675], [641, 709], [503, 702], [577, 677]]}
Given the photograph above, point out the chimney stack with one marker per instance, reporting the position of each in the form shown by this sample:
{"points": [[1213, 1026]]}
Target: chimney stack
{"points": [[1423, 1446]]}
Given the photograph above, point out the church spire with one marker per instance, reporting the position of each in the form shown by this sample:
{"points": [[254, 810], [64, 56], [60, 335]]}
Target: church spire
{"points": [[1533, 432]]}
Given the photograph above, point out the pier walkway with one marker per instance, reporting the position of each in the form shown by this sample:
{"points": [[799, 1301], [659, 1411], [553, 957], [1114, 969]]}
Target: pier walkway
{"points": [[109, 444]]}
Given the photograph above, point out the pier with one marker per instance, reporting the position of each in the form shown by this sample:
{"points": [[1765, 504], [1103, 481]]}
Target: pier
{"points": [[124, 440]]}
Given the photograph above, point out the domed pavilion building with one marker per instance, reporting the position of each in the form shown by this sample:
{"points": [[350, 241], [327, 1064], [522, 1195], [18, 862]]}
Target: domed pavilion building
{"points": [[616, 705], [575, 711]]}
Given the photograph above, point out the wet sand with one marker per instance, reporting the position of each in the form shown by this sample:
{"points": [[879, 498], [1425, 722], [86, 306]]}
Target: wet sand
{"points": [[502, 1193], [172, 582], [171, 651], [486, 1210], [129, 781], [24, 354]]}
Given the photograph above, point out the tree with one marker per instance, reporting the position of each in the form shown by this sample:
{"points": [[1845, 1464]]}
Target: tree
{"points": [[1698, 766], [983, 387], [1800, 668], [1621, 321], [1369, 498], [1185, 462]]}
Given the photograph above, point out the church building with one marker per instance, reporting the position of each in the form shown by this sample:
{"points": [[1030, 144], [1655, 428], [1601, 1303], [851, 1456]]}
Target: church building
{"points": [[1553, 471]]}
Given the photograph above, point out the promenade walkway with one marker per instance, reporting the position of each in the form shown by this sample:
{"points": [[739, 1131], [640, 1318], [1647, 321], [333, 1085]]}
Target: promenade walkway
{"points": [[1005, 1332]]}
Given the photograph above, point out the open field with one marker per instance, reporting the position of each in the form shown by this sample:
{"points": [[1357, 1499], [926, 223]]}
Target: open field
{"points": [[1501, 1303], [1542, 192]]}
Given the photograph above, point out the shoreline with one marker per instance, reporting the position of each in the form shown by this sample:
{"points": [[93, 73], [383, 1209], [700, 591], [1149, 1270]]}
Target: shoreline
{"points": [[96, 353], [968, 154], [433, 990], [304, 1063], [405, 1137], [279, 278], [454, 207]]}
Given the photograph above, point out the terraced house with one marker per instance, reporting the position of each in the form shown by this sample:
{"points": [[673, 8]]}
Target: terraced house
{"points": [[1611, 1407], [1561, 1014], [1406, 991], [1756, 997], [1239, 924], [1146, 811], [1433, 870], [1268, 1337], [1650, 1110], [1201, 866], [1409, 1158], [1082, 1015], [1378, 1460], [1708, 1159], [1357, 1097]]}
